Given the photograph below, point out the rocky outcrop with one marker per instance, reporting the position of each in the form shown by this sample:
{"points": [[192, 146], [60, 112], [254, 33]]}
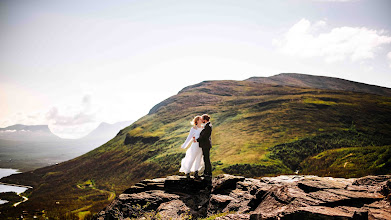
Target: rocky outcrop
{"points": [[235, 197]]}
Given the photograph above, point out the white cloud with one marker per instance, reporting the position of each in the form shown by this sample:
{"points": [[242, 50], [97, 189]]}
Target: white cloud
{"points": [[72, 115], [35, 118], [320, 24], [8, 131], [389, 58], [337, 44], [69, 120], [73, 121]]}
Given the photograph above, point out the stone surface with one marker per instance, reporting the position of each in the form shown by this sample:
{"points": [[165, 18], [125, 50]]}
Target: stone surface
{"points": [[233, 197], [234, 217], [224, 183], [386, 190], [175, 209]]}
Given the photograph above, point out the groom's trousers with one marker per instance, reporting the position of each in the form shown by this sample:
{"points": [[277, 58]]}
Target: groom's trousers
{"points": [[208, 166]]}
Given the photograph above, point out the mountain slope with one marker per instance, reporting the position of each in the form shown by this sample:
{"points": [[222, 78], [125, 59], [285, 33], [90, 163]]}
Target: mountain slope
{"points": [[254, 126], [321, 82]]}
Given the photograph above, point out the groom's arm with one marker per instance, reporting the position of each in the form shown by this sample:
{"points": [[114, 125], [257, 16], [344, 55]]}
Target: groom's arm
{"points": [[205, 134]]}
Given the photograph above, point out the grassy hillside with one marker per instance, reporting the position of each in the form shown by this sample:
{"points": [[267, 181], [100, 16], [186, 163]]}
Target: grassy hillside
{"points": [[258, 130]]}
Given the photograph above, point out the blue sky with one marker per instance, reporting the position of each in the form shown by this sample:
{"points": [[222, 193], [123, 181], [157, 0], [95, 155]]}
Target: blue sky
{"points": [[73, 64]]}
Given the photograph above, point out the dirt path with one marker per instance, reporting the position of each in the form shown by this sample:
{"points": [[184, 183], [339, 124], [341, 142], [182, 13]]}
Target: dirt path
{"points": [[24, 200]]}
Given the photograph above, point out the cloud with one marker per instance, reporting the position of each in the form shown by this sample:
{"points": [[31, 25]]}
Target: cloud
{"points": [[338, 44], [34, 118], [77, 119], [68, 121], [81, 116], [389, 58], [73, 121], [8, 131]]}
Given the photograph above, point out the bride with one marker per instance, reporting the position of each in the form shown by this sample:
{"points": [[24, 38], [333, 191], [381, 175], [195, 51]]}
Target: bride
{"points": [[193, 161]]}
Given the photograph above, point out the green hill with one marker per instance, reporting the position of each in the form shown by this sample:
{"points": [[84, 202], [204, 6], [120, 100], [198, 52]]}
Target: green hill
{"points": [[258, 130]]}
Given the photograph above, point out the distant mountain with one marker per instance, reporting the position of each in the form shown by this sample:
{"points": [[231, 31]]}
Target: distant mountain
{"points": [[321, 82], [260, 128], [106, 131], [28, 147], [21, 132], [20, 127]]}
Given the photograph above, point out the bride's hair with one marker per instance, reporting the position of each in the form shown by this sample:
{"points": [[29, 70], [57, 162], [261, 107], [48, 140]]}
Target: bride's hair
{"points": [[195, 120]]}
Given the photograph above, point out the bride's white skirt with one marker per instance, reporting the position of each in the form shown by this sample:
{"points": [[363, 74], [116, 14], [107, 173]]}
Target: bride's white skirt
{"points": [[193, 161]]}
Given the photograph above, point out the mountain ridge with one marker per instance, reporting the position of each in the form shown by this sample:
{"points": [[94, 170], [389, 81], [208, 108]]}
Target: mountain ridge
{"points": [[26, 127], [322, 82]]}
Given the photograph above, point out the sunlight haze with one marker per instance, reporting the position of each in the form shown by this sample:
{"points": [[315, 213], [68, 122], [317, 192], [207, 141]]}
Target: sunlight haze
{"points": [[75, 64]]}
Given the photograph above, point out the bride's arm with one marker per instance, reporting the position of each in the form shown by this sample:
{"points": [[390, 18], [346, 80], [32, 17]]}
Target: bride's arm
{"points": [[189, 138]]}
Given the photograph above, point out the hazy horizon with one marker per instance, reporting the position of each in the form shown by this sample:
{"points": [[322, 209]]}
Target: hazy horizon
{"points": [[72, 64]]}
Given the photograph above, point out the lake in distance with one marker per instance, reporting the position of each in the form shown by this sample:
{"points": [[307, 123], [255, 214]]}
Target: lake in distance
{"points": [[6, 188]]}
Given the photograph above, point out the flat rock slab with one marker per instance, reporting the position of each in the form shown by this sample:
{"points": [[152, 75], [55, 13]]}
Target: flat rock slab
{"points": [[317, 183]]}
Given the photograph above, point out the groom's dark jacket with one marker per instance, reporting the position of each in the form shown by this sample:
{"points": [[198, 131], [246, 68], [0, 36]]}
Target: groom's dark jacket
{"points": [[204, 139]]}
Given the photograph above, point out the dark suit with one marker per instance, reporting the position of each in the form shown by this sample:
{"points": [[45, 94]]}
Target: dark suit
{"points": [[206, 145]]}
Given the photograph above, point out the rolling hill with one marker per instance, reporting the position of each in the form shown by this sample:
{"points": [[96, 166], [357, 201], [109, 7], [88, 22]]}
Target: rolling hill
{"points": [[260, 128]]}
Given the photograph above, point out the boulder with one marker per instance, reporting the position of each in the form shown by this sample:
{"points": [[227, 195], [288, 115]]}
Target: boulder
{"points": [[224, 183], [175, 209], [218, 202]]}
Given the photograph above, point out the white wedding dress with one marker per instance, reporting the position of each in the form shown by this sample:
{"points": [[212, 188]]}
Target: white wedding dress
{"points": [[193, 161]]}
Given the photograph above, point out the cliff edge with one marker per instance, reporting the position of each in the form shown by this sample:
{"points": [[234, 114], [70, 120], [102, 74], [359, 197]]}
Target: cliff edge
{"points": [[236, 197]]}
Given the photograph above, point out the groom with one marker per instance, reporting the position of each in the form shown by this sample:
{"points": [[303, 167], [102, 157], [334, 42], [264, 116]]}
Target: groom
{"points": [[206, 144]]}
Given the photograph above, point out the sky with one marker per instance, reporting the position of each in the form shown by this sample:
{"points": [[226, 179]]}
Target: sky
{"points": [[73, 64]]}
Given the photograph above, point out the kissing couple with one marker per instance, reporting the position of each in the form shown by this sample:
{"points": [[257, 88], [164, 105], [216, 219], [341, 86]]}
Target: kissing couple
{"points": [[197, 155]]}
